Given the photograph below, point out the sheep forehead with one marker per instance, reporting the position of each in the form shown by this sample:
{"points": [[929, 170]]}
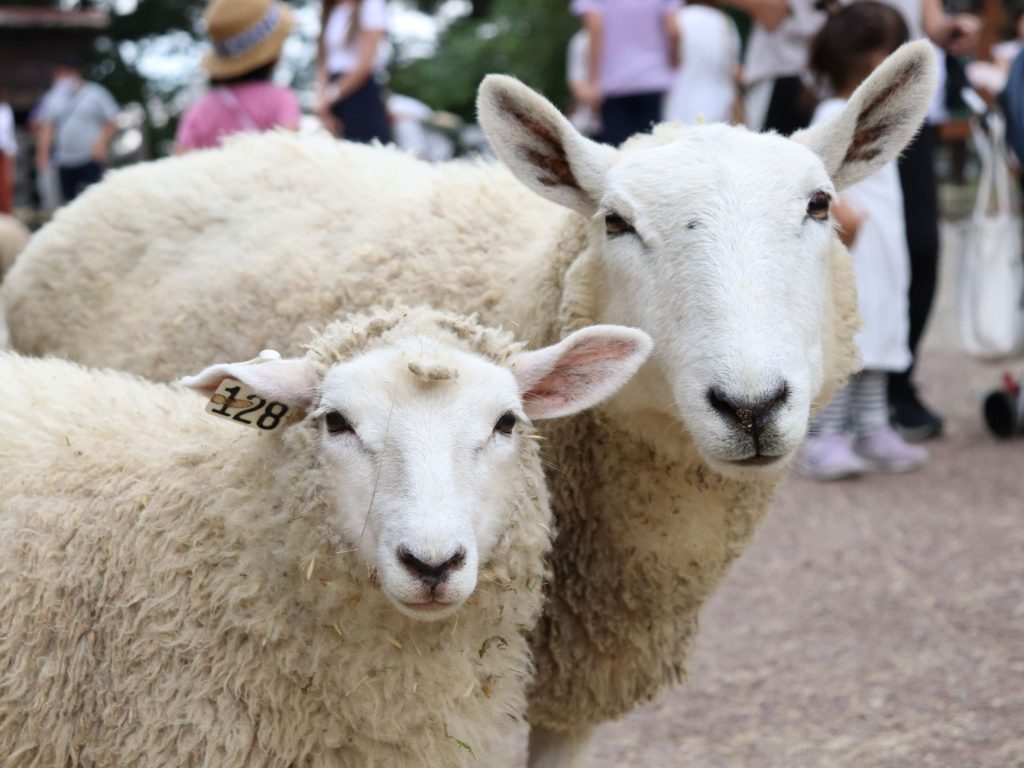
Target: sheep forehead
{"points": [[379, 386], [346, 338], [718, 166]]}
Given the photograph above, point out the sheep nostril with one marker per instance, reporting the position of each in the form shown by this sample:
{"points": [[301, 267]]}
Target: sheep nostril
{"points": [[720, 402], [431, 573], [455, 562], [749, 415], [778, 398]]}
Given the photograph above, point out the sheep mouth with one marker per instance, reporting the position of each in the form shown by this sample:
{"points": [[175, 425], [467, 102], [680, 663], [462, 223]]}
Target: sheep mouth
{"points": [[429, 606], [757, 460]]}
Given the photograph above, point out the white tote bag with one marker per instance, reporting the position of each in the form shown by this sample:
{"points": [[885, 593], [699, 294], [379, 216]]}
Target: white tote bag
{"points": [[990, 295]]}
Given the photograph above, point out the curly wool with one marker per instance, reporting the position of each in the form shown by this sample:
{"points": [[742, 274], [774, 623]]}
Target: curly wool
{"points": [[202, 275], [173, 590]]}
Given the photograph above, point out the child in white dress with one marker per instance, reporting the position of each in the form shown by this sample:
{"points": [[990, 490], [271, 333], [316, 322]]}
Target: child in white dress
{"points": [[853, 435]]}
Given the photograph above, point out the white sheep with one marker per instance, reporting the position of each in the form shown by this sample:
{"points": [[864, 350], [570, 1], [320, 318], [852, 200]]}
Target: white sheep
{"points": [[716, 241], [177, 590]]}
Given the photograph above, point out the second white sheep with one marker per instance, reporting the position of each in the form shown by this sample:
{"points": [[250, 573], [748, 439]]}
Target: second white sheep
{"points": [[351, 589]]}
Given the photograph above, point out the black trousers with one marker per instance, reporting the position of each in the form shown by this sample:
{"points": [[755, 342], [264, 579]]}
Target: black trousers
{"points": [[75, 178], [363, 115], [921, 213], [622, 116]]}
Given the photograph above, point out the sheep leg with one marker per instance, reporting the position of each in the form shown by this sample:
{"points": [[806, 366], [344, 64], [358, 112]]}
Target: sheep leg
{"points": [[560, 749]]}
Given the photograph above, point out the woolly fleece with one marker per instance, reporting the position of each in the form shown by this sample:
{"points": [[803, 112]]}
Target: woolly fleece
{"points": [[156, 598], [242, 248]]}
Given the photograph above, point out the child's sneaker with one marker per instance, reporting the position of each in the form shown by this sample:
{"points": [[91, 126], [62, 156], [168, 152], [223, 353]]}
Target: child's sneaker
{"points": [[885, 451], [830, 457]]}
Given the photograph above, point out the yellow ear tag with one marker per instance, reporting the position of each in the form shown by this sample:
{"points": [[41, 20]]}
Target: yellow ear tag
{"points": [[233, 400]]}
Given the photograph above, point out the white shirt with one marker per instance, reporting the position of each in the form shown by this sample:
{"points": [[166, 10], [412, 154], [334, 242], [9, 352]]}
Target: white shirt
{"points": [[709, 48], [783, 51], [342, 56], [8, 141]]}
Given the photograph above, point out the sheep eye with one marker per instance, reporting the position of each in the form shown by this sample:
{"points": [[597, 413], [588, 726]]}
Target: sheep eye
{"points": [[817, 208], [616, 225], [506, 423], [336, 423]]}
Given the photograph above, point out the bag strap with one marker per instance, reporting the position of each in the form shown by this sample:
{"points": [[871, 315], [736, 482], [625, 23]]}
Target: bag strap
{"points": [[995, 166], [1000, 164], [70, 106], [984, 147], [234, 106]]}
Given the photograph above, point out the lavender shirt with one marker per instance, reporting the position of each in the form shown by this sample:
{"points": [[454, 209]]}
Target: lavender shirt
{"points": [[635, 55]]}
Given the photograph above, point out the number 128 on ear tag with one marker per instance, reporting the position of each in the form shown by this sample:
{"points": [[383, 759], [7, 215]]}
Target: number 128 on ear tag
{"points": [[233, 400]]}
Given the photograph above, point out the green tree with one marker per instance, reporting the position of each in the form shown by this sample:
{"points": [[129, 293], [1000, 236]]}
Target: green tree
{"points": [[525, 38]]}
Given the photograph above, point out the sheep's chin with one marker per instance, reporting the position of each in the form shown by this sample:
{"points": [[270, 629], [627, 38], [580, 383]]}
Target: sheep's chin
{"points": [[761, 468], [432, 611]]}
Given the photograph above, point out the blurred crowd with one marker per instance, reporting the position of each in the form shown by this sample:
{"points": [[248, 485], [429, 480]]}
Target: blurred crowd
{"points": [[72, 124]]}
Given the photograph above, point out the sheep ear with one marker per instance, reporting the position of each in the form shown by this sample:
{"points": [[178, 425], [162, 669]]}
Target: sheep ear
{"points": [[540, 146], [580, 371], [290, 381], [880, 118]]}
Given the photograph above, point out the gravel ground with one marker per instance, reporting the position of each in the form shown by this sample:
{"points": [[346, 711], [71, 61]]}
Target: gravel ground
{"points": [[877, 622]]}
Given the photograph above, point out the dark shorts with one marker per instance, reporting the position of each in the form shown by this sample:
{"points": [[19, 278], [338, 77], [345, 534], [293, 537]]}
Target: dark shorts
{"points": [[75, 178], [362, 114], [622, 116]]}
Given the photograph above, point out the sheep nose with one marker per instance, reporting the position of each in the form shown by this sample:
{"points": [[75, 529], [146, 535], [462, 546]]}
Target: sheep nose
{"points": [[750, 416], [432, 572]]}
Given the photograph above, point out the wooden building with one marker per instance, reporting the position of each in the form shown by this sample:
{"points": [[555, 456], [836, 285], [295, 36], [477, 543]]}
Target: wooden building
{"points": [[30, 39]]}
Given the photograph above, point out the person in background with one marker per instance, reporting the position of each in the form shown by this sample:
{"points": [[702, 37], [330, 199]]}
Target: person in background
{"points": [[77, 121], [990, 77], [956, 34], [853, 435], [247, 37], [775, 64], [633, 52], [776, 58], [582, 115], [710, 53], [47, 182], [352, 53], [8, 155], [1004, 52]]}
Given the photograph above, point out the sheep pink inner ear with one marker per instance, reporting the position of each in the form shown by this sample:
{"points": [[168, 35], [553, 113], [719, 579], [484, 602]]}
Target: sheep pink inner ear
{"points": [[580, 371], [540, 146], [290, 381], [880, 118]]}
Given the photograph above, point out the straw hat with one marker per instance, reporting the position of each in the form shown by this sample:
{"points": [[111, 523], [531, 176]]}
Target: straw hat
{"points": [[246, 35]]}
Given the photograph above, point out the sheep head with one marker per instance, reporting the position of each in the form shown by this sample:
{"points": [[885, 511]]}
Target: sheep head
{"points": [[719, 243], [424, 470]]}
